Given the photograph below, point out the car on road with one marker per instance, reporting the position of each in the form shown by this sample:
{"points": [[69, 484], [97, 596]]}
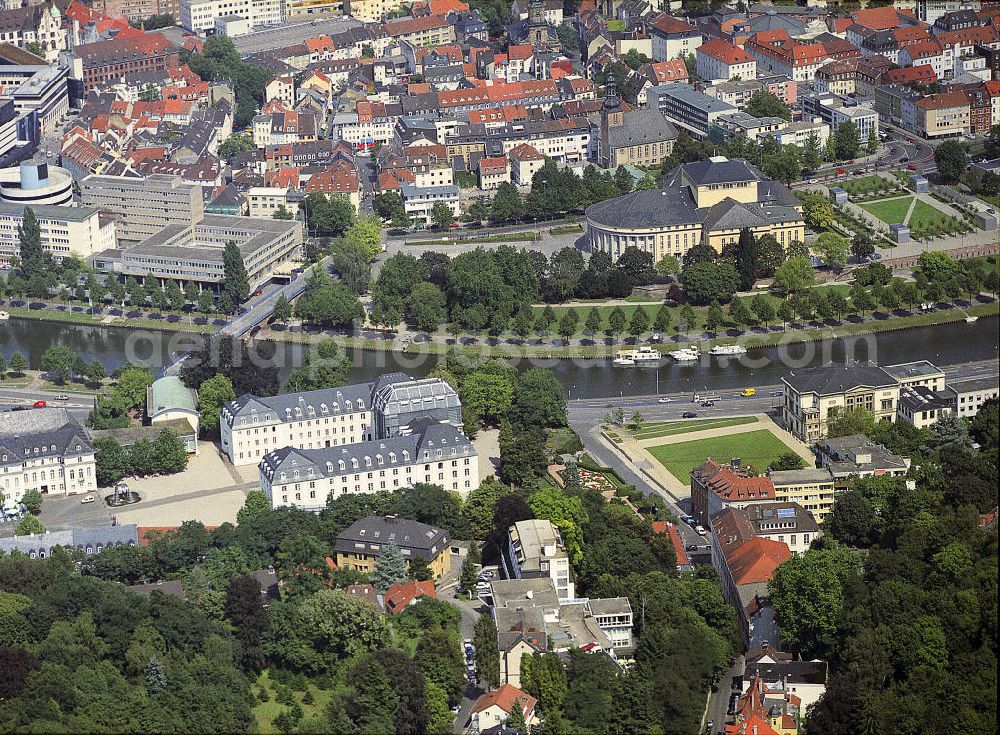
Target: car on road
{"points": [[709, 725], [777, 392], [87, 499], [748, 392], [904, 159], [700, 530], [39, 404], [258, 292], [664, 400], [841, 172], [911, 167], [707, 404], [689, 415], [690, 520], [62, 397]]}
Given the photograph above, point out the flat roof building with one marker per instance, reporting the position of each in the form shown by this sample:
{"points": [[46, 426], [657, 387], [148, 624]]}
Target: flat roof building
{"points": [[64, 231], [535, 549], [144, 206]]}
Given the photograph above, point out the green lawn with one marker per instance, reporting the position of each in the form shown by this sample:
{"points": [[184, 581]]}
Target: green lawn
{"points": [[756, 448], [866, 185], [890, 211], [672, 428], [924, 215], [265, 712]]}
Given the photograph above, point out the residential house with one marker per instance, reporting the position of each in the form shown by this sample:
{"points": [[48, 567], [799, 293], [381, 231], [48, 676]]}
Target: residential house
{"points": [[715, 486], [525, 161], [778, 52], [856, 455], [359, 545], [403, 594], [968, 396], [493, 708], [493, 172], [535, 549], [813, 396], [668, 528], [812, 489], [803, 679], [745, 563], [672, 38], [721, 60], [785, 522]]}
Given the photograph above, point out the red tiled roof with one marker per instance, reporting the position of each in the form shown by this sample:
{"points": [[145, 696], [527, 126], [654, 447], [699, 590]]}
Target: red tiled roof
{"points": [[675, 539], [943, 100], [732, 485], [504, 698], [881, 18], [402, 594], [754, 561], [924, 50], [526, 152], [922, 73], [520, 52], [667, 71], [492, 165], [670, 24], [724, 51], [335, 180]]}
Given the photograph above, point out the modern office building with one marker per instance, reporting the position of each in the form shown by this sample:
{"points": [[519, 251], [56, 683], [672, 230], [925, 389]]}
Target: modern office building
{"points": [[433, 453], [812, 489], [252, 426], [200, 15], [38, 92], [419, 201], [36, 182], [64, 230], [969, 395], [143, 206], [44, 449], [188, 253], [535, 549], [686, 107]]}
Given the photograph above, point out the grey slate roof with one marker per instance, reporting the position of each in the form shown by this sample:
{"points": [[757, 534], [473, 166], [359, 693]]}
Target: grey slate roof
{"points": [[376, 531], [429, 441], [41, 432], [85, 539], [296, 406], [720, 171], [646, 208], [641, 127], [830, 379]]}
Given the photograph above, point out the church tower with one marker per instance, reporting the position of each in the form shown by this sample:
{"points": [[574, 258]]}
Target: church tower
{"points": [[611, 117]]}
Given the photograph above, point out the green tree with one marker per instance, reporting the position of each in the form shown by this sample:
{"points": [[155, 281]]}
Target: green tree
{"points": [[593, 324], [333, 626], [707, 282], [488, 394], [282, 311], [325, 366], [834, 249], [487, 656], [812, 153], [328, 304], [818, 212], [425, 308], [235, 282], [18, 364], [389, 205], [213, 394], [746, 259], [740, 314], [787, 461], [480, 506], [506, 205], [390, 567], [639, 324], [872, 143], [29, 236], [566, 513], [951, 160], [255, 505], [235, 144], [662, 321], [364, 236], [850, 422], [59, 360], [441, 214], [763, 308], [764, 104], [616, 321], [846, 140], [32, 500], [796, 275], [29, 525], [807, 593], [714, 317]]}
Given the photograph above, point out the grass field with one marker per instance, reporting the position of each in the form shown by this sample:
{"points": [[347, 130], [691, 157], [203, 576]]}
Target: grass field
{"points": [[925, 215], [756, 448], [658, 429], [890, 211], [265, 712]]}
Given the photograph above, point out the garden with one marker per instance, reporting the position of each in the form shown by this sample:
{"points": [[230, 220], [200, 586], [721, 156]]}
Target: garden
{"points": [[924, 221], [659, 429], [868, 187]]}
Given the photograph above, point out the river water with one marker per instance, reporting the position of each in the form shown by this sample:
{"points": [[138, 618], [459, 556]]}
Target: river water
{"points": [[942, 344]]}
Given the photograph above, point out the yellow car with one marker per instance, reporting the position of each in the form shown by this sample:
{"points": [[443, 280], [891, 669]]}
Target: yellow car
{"points": [[747, 392]]}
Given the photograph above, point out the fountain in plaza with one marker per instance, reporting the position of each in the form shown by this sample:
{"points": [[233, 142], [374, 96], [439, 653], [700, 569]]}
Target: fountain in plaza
{"points": [[122, 495]]}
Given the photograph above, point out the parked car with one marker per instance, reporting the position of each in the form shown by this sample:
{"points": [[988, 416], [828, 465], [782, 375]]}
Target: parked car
{"points": [[732, 704], [664, 400], [841, 172], [486, 575], [39, 404], [689, 415], [708, 404], [700, 530], [87, 499]]}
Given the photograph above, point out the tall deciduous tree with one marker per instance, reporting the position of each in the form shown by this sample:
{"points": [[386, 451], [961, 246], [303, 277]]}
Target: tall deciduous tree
{"points": [[213, 394]]}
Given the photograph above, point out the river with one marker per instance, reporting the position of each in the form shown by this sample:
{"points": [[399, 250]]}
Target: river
{"points": [[943, 344]]}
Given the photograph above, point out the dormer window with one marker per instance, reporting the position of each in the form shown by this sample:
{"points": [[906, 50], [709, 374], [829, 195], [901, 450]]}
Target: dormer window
{"points": [[392, 457], [368, 461], [342, 465], [354, 462]]}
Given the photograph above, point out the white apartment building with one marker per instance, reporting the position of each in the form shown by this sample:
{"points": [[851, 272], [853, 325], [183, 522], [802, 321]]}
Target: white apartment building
{"points": [[64, 231], [264, 201], [362, 132], [672, 38], [419, 201], [200, 15], [434, 453], [969, 395], [721, 60], [253, 426], [798, 132], [44, 449], [535, 549]]}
